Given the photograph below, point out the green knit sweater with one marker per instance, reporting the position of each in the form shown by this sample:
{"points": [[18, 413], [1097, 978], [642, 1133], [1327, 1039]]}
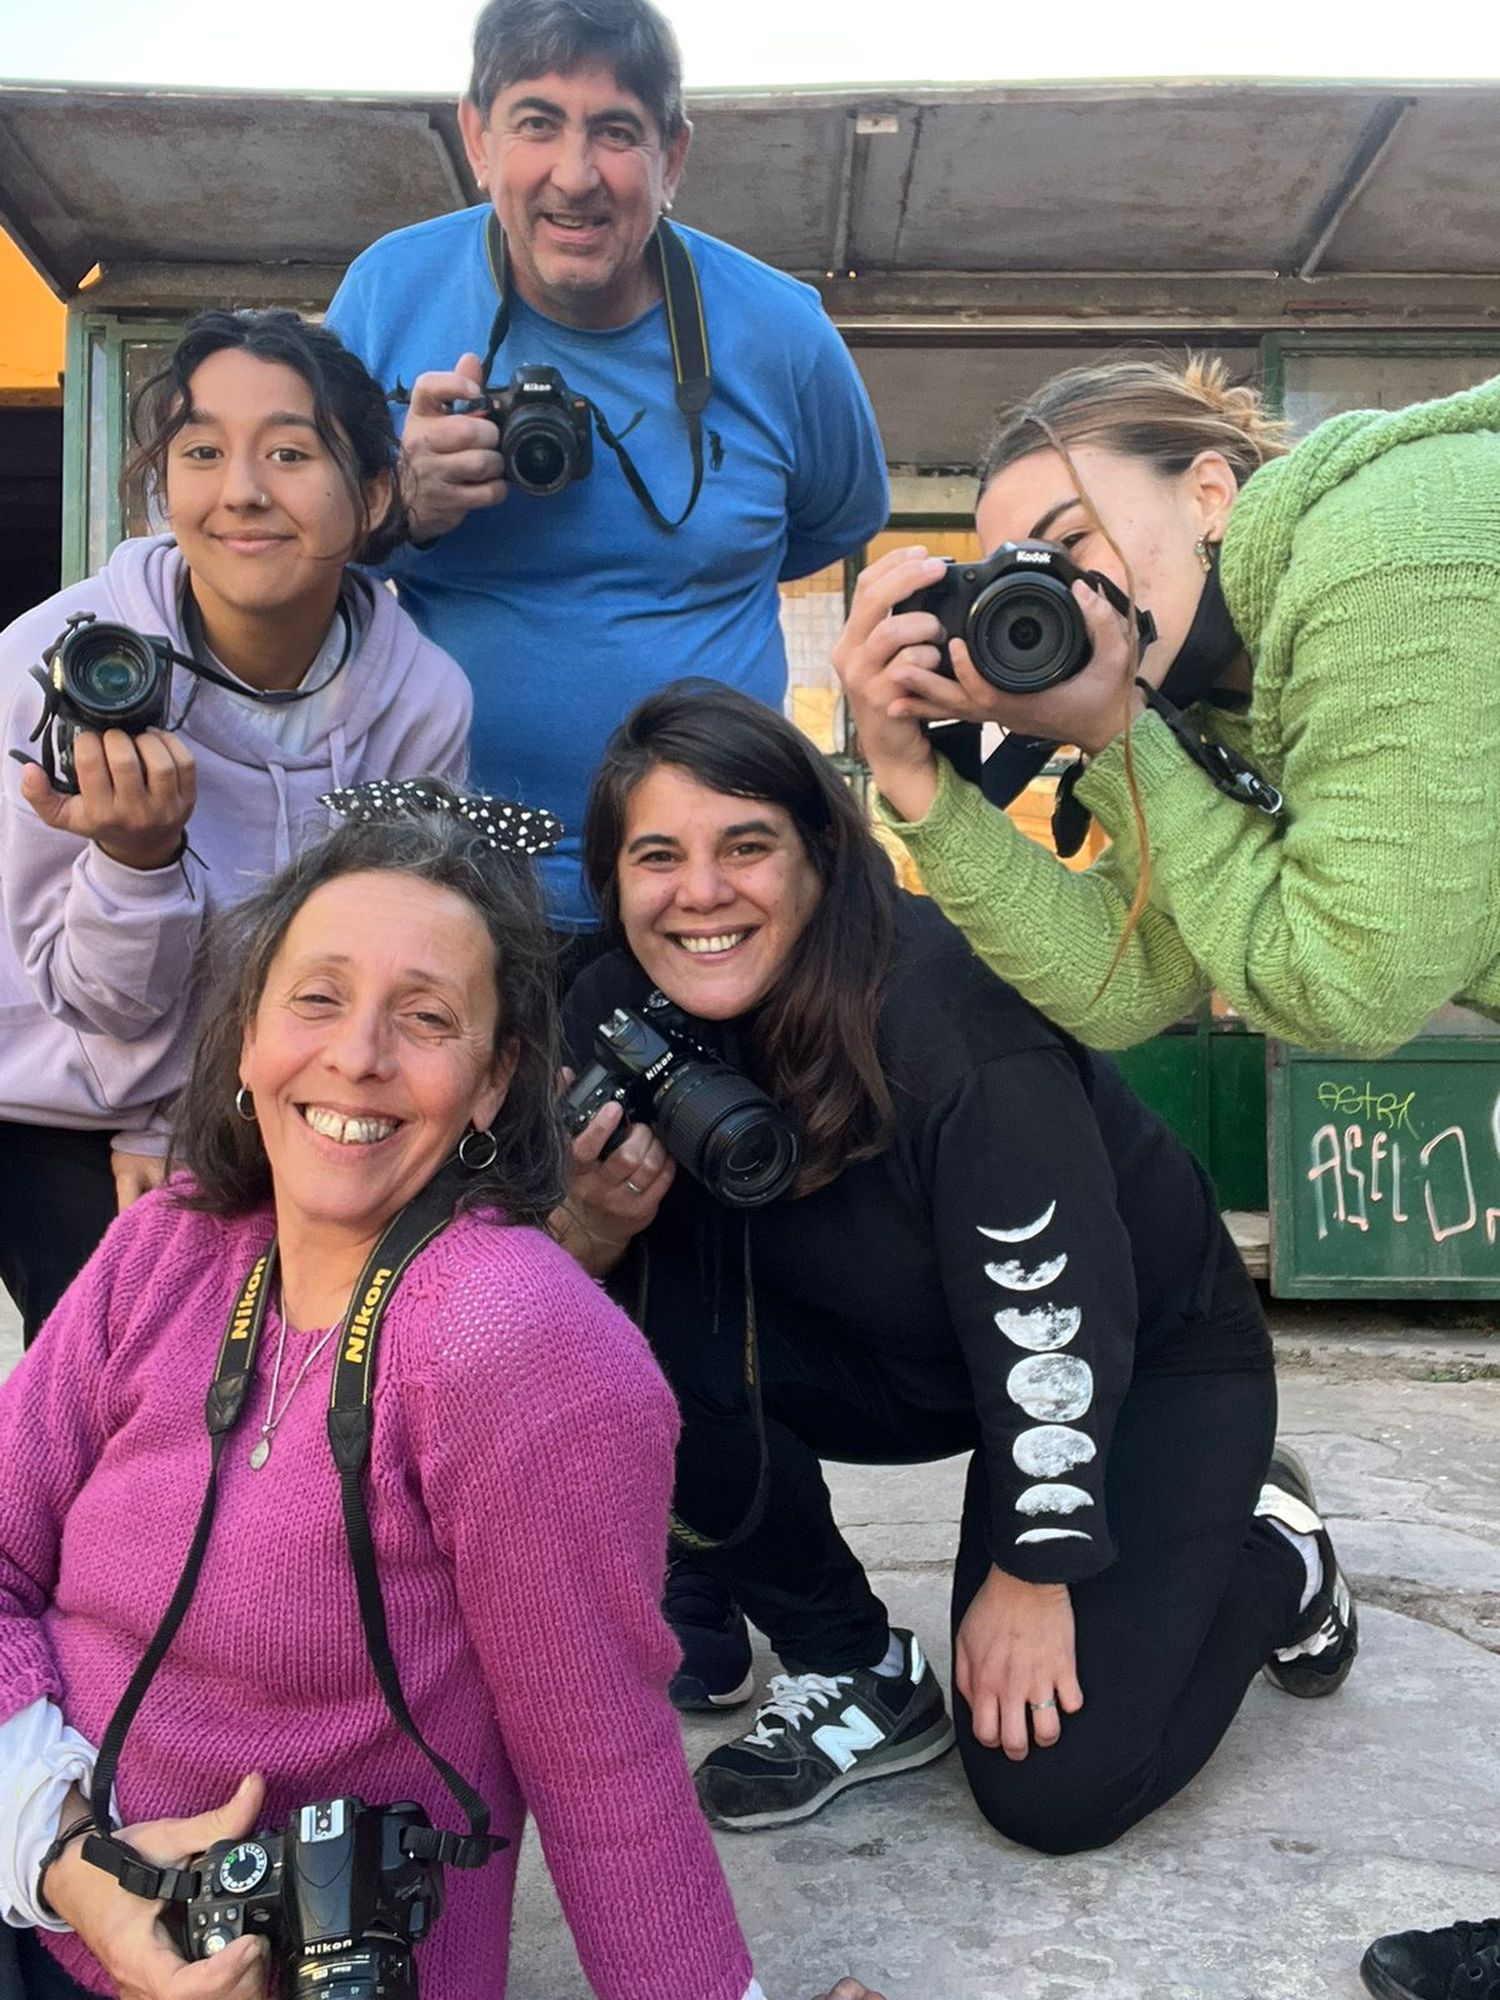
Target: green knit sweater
{"points": [[1363, 572]]}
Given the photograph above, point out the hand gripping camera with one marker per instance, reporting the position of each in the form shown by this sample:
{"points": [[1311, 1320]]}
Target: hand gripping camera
{"points": [[98, 676], [1016, 613], [711, 1119], [546, 431], [337, 1895]]}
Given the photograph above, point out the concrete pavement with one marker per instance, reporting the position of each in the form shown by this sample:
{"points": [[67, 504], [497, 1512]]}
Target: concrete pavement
{"points": [[1316, 1826]]}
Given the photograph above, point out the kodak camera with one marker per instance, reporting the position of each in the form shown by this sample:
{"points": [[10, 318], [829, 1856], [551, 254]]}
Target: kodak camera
{"points": [[1016, 613]]}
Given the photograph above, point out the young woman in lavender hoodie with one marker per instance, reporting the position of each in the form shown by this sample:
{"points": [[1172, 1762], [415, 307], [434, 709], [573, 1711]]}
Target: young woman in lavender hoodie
{"points": [[272, 453]]}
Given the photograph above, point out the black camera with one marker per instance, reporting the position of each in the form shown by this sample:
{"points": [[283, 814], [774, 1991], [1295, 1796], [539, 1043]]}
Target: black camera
{"points": [[337, 1896], [711, 1119], [1016, 613], [99, 676], [546, 432]]}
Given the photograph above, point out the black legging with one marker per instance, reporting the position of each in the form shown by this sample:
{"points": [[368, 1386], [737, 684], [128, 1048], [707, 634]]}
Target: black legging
{"points": [[1168, 1638], [57, 1198]]}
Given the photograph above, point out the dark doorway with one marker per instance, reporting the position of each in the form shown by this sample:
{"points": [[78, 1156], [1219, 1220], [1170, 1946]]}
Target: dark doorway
{"points": [[31, 473]]}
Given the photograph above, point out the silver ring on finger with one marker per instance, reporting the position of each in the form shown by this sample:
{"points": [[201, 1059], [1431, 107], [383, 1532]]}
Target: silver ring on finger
{"points": [[1036, 1707], [634, 1189]]}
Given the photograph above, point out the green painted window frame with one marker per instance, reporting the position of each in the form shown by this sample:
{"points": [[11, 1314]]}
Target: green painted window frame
{"points": [[93, 519]]}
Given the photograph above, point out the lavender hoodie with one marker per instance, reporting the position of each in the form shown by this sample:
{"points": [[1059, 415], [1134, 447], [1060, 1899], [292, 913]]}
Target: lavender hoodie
{"points": [[96, 960]]}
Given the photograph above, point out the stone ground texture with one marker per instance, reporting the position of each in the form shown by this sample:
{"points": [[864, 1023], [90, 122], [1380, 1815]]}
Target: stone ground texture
{"points": [[1315, 1827]]}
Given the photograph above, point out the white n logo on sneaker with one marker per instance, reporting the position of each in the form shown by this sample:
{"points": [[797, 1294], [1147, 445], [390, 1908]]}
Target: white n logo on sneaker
{"points": [[842, 1741]]}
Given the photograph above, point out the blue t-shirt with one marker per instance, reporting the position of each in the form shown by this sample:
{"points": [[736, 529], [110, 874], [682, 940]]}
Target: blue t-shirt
{"points": [[567, 611]]}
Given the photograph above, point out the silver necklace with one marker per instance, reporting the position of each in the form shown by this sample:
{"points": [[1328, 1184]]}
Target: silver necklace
{"points": [[260, 1451]]}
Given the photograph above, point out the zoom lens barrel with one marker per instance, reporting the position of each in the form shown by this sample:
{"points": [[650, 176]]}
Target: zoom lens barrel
{"points": [[727, 1133], [1025, 632]]}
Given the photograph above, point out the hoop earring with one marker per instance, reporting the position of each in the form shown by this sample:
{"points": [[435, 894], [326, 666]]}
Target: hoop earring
{"points": [[244, 1104], [1203, 549], [476, 1162]]}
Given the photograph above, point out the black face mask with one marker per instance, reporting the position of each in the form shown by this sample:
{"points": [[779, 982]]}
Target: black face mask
{"points": [[1209, 650]]}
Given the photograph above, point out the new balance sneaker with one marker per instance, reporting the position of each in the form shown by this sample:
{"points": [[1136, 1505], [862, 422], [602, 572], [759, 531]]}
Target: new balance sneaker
{"points": [[715, 1640], [1317, 1658], [817, 1734], [1459, 1962]]}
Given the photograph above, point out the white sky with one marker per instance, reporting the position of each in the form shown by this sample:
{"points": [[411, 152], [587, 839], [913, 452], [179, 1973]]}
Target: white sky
{"points": [[421, 46]]}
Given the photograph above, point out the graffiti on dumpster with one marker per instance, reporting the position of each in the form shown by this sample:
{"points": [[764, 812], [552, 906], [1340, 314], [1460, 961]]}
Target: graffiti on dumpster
{"points": [[1370, 1167]]}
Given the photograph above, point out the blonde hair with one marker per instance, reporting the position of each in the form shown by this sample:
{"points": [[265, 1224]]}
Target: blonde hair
{"points": [[1142, 406], [1145, 407]]}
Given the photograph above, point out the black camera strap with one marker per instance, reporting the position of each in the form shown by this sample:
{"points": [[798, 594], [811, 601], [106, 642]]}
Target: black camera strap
{"points": [[350, 1428], [198, 660], [682, 1532], [687, 330]]}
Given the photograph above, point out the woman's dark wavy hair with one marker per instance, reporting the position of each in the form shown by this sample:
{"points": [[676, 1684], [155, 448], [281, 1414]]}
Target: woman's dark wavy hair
{"points": [[813, 1041], [350, 411], [224, 1153]]}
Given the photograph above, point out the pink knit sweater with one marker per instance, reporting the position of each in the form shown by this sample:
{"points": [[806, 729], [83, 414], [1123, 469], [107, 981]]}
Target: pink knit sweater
{"points": [[518, 1491]]}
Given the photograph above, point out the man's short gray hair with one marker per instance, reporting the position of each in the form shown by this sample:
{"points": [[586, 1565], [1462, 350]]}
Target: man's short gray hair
{"points": [[518, 39]]}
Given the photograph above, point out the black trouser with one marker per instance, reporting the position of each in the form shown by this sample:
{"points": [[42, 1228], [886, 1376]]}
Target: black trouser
{"points": [[1168, 1638], [28, 1971], [57, 1198]]}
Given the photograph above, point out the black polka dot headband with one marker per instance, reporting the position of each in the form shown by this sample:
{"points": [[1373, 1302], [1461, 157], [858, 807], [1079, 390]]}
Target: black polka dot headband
{"points": [[501, 823]]}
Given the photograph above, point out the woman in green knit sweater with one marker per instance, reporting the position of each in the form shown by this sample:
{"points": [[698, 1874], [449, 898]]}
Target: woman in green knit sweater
{"points": [[1347, 598]]}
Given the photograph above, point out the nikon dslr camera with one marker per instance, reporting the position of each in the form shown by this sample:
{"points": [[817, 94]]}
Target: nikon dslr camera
{"points": [[1016, 613], [546, 431], [711, 1119], [337, 1896], [99, 676]]}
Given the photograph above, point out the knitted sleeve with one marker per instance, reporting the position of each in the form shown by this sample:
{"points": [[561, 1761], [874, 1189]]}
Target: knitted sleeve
{"points": [[1346, 927], [1051, 932], [544, 1437], [50, 1438]]}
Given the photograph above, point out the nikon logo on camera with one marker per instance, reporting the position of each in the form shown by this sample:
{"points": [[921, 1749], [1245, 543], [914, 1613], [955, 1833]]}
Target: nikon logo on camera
{"points": [[357, 1338], [244, 1312]]}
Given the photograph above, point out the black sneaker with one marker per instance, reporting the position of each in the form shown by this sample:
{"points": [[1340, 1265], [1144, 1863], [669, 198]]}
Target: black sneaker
{"points": [[715, 1640], [1317, 1658], [1460, 1962], [817, 1734]]}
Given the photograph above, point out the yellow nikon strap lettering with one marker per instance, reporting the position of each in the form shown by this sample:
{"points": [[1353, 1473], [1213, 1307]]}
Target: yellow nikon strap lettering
{"points": [[349, 1429]]}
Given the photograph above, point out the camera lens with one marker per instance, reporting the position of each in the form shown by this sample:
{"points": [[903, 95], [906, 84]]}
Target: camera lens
{"points": [[374, 1966], [539, 449], [112, 677], [1026, 633], [727, 1133]]}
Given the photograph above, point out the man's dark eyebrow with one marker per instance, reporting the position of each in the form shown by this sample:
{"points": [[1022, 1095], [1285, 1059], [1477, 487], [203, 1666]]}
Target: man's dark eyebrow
{"points": [[1052, 513], [619, 115]]}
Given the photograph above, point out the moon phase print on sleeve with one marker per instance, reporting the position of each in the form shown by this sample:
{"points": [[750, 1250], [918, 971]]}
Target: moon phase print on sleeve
{"points": [[1053, 1388]]}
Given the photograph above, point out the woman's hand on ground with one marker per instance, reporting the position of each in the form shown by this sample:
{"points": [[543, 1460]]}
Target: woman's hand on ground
{"points": [[135, 795], [610, 1201], [122, 1931], [135, 1174], [878, 657], [1014, 1663]]}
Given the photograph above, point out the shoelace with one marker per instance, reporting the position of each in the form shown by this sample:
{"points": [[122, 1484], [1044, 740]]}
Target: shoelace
{"points": [[794, 1698]]}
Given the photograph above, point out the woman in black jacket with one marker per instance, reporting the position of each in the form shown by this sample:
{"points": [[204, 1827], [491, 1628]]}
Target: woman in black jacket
{"points": [[989, 1245]]}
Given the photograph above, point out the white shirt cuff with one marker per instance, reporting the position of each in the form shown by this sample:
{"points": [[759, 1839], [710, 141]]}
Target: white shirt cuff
{"points": [[41, 1758]]}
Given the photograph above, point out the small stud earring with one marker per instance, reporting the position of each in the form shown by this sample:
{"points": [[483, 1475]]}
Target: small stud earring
{"points": [[1203, 549]]}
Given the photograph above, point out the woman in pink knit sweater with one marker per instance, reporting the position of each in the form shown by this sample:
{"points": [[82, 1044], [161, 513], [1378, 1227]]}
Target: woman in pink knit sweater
{"points": [[389, 1000]]}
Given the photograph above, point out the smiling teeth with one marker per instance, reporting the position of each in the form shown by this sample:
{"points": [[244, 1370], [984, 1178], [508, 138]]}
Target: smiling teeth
{"points": [[348, 1131], [701, 946]]}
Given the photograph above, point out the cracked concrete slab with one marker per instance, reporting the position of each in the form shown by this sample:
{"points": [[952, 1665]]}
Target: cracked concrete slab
{"points": [[1316, 1826]]}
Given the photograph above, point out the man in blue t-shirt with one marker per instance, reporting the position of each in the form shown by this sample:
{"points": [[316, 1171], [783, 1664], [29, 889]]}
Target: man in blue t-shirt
{"points": [[566, 610]]}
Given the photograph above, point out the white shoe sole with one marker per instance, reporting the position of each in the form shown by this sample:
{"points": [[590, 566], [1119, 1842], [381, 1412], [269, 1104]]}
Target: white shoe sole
{"points": [[934, 1742]]}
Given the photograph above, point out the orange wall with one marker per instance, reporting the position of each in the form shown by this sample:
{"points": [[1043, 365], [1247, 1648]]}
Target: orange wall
{"points": [[31, 331]]}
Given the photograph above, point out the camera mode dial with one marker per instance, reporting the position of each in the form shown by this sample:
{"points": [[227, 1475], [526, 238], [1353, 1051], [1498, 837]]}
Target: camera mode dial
{"points": [[244, 1868]]}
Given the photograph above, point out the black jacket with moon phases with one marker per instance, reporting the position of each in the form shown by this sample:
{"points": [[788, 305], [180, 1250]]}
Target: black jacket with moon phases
{"points": [[1032, 1237]]}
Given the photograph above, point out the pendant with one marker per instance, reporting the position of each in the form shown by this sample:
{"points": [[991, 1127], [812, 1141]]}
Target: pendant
{"points": [[259, 1453]]}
